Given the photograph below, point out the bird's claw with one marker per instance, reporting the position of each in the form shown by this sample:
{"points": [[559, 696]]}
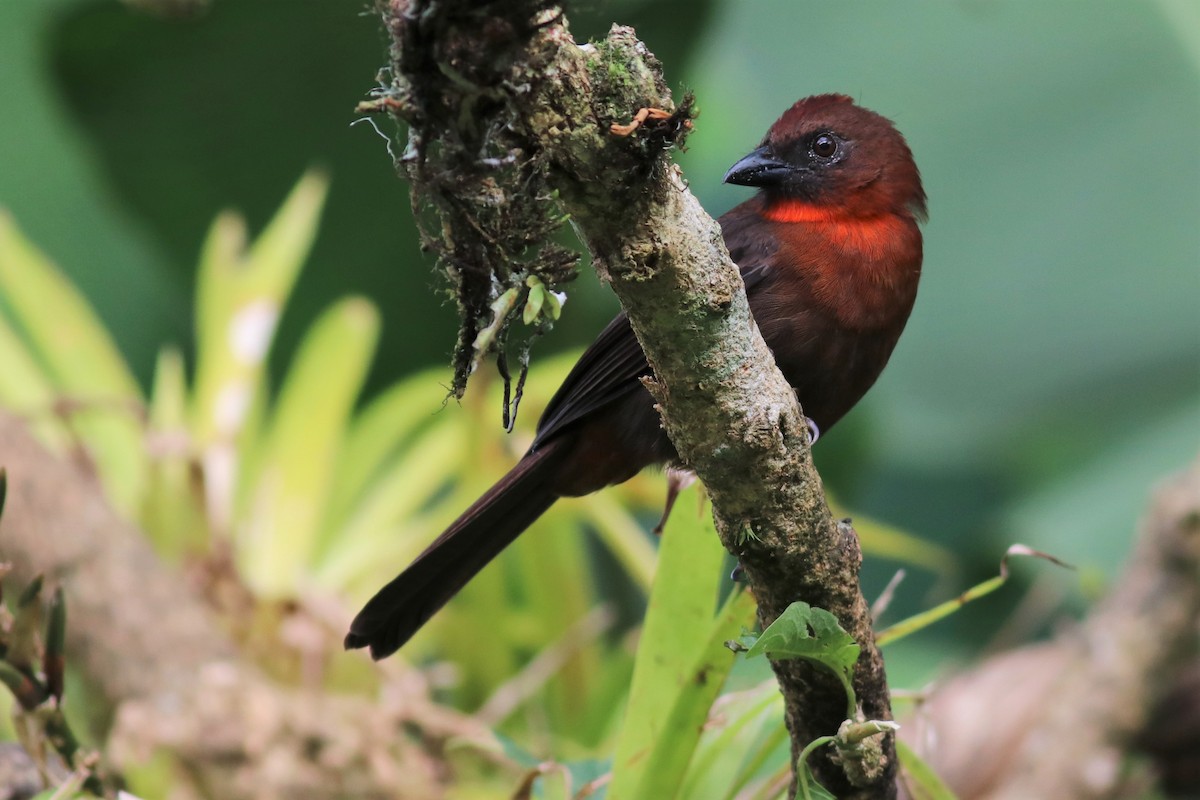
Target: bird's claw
{"points": [[814, 432]]}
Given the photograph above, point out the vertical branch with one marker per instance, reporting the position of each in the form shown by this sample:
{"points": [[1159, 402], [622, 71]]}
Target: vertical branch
{"points": [[728, 410]]}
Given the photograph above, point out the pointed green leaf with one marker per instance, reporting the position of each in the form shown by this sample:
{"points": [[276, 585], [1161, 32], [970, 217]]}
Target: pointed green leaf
{"points": [[677, 634], [240, 296], [171, 513], [666, 766], [814, 634], [411, 483], [381, 431], [26, 389], [306, 430], [81, 359]]}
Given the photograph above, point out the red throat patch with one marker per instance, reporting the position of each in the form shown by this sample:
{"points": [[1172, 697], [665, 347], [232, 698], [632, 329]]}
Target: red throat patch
{"points": [[870, 235]]}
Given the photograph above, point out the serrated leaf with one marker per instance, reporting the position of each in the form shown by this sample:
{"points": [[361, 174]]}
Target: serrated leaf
{"points": [[814, 634]]}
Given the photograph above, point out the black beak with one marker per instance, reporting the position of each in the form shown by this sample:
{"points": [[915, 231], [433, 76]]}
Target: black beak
{"points": [[760, 168]]}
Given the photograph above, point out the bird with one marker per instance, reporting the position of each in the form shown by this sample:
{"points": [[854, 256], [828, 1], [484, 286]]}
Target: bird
{"points": [[830, 251]]}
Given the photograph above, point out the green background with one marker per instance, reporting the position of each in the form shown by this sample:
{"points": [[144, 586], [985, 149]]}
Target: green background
{"points": [[1051, 370]]}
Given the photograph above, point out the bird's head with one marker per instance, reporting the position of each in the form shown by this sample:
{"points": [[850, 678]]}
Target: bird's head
{"points": [[832, 156]]}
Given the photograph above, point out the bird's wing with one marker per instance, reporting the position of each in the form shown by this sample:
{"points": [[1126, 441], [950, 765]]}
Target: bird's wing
{"points": [[609, 369]]}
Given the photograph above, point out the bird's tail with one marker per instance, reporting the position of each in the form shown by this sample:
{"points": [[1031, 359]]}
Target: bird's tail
{"points": [[398, 610]]}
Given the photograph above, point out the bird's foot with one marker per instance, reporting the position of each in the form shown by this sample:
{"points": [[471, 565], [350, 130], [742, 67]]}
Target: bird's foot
{"points": [[677, 481]]}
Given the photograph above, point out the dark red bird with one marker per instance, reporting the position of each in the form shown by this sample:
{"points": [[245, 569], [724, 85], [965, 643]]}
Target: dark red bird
{"points": [[830, 253]]}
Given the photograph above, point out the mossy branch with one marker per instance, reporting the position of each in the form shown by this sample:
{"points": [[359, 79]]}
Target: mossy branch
{"points": [[477, 82]]}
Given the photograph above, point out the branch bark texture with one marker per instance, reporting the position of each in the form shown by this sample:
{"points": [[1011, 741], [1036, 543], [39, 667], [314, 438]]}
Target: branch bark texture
{"points": [[546, 100]]}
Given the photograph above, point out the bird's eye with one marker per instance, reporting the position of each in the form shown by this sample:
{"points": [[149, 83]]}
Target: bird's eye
{"points": [[825, 146]]}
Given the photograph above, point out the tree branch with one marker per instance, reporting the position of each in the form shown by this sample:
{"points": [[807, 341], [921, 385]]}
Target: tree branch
{"points": [[542, 99]]}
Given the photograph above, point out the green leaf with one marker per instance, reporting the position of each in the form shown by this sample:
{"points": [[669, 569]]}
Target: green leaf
{"points": [[683, 725], [81, 359], [677, 634], [171, 515], [533, 304], [802, 631], [738, 742], [25, 388], [378, 433], [306, 430], [623, 535], [923, 783], [240, 296], [27, 693], [554, 304], [371, 534]]}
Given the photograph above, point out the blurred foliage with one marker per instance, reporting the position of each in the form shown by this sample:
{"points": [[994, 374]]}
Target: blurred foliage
{"points": [[1051, 371], [1055, 334], [310, 495], [32, 669]]}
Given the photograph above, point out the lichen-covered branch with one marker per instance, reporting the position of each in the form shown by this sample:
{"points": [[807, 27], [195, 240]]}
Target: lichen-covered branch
{"points": [[525, 90]]}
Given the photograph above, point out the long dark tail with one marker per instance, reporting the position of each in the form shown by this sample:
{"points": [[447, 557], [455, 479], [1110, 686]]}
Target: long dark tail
{"points": [[398, 610]]}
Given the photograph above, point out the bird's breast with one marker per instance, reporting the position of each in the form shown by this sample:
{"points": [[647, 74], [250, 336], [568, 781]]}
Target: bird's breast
{"points": [[863, 272]]}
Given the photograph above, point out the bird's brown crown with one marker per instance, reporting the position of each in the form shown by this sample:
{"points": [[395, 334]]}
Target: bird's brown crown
{"points": [[844, 159]]}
